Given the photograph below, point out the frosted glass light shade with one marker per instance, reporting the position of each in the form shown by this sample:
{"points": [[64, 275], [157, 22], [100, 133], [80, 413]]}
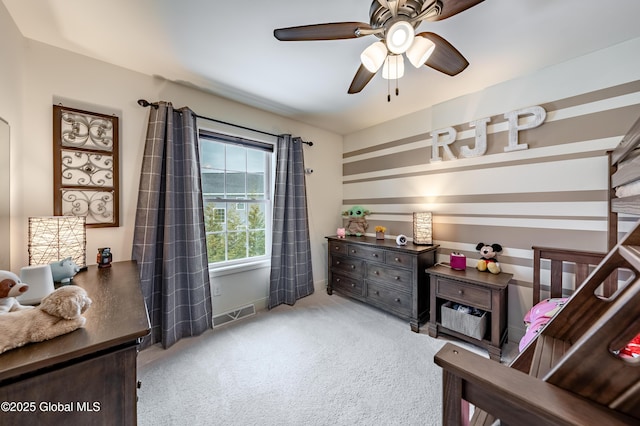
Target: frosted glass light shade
{"points": [[373, 56], [422, 227], [420, 50], [393, 68], [399, 37], [54, 238]]}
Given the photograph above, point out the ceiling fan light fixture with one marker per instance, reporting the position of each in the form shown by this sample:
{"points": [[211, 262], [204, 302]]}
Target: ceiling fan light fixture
{"points": [[393, 67], [399, 37], [373, 56], [420, 50]]}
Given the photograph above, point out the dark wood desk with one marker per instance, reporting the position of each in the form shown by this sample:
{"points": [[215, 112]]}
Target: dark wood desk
{"points": [[87, 376], [482, 290]]}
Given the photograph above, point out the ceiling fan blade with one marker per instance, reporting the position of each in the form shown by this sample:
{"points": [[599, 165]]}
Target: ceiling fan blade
{"points": [[362, 78], [445, 58], [331, 31], [453, 7]]}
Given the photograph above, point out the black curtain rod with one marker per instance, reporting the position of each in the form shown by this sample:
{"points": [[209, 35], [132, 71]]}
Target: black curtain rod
{"points": [[145, 103]]}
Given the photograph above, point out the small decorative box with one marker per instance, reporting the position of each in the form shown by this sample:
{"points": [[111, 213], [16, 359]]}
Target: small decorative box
{"points": [[458, 261]]}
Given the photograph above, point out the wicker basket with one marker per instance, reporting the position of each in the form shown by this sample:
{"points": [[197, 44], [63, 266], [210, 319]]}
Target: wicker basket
{"points": [[467, 324]]}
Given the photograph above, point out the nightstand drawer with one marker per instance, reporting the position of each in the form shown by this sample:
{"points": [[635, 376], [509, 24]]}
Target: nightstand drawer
{"points": [[366, 253], [346, 284], [398, 259], [396, 278], [466, 294], [347, 265], [392, 299]]}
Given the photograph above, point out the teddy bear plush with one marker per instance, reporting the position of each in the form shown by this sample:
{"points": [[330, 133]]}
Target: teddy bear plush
{"points": [[489, 260], [357, 224], [11, 287], [59, 313]]}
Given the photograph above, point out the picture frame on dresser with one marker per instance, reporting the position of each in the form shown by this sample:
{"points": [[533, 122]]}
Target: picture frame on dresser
{"points": [[382, 274]]}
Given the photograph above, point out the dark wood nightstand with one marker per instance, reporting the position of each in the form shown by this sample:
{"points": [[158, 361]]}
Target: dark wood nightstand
{"points": [[482, 290]]}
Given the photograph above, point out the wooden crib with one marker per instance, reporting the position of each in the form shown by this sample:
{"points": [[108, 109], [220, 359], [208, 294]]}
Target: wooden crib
{"points": [[569, 374]]}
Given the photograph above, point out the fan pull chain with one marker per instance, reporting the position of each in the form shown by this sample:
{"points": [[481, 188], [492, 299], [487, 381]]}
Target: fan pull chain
{"points": [[389, 85], [397, 90]]}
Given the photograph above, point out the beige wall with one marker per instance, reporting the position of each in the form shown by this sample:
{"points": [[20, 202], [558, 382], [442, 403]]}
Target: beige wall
{"points": [[11, 52], [38, 76], [552, 194]]}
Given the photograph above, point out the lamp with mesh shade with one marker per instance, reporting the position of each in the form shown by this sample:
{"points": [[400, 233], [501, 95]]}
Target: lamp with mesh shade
{"points": [[53, 238], [422, 228]]}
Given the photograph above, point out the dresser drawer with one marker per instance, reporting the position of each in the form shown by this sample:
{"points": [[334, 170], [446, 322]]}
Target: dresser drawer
{"points": [[394, 277], [395, 258], [466, 294], [388, 298], [345, 284], [336, 247], [367, 253], [347, 265]]}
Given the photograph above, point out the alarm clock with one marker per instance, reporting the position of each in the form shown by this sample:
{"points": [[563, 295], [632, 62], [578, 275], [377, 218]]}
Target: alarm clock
{"points": [[401, 240]]}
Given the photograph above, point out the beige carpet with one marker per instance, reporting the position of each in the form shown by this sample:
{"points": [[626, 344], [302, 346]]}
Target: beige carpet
{"points": [[326, 361]]}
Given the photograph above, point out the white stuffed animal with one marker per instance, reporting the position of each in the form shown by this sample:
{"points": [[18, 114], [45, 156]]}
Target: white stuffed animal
{"points": [[11, 287], [59, 313]]}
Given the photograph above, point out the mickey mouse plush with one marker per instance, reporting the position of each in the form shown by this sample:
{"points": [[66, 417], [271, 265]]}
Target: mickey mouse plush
{"points": [[489, 261]]}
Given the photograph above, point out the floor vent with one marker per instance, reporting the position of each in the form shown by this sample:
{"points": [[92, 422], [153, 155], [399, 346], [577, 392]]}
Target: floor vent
{"points": [[231, 316]]}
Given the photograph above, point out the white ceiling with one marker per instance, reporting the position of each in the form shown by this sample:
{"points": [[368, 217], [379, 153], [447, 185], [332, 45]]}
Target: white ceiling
{"points": [[228, 48]]}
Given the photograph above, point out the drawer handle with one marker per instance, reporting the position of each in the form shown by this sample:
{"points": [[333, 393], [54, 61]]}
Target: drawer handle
{"points": [[337, 280], [460, 292], [397, 300], [376, 272], [397, 259], [337, 262], [337, 248], [353, 266], [397, 278], [377, 293], [353, 251], [375, 254], [353, 285]]}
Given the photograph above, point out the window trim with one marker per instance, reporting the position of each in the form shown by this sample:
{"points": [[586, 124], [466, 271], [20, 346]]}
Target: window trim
{"points": [[260, 143]]}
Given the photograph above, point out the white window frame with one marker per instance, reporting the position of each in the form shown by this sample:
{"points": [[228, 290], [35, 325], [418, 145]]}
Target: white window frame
{"points": [[240, 265]]}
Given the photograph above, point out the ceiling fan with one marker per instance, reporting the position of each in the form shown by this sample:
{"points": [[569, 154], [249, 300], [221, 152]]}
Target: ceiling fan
{"points": [[394, 22]]}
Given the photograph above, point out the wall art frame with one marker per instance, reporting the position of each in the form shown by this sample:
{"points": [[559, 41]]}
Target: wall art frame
{"points": [[86, 166]]}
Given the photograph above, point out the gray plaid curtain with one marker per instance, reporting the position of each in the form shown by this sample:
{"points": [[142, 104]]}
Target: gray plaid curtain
{"points": [[291, 273], [169, 237]]}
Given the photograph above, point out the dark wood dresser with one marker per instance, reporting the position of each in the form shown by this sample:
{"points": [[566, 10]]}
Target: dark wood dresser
{"points": [[382, 274], [88, 376]]}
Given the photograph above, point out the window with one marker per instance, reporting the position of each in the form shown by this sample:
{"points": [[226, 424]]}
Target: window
{"points": [[236, 187]]}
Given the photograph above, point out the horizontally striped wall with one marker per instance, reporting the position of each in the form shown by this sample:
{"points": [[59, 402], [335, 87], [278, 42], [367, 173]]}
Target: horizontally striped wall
{"points": [[552, 194]]}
